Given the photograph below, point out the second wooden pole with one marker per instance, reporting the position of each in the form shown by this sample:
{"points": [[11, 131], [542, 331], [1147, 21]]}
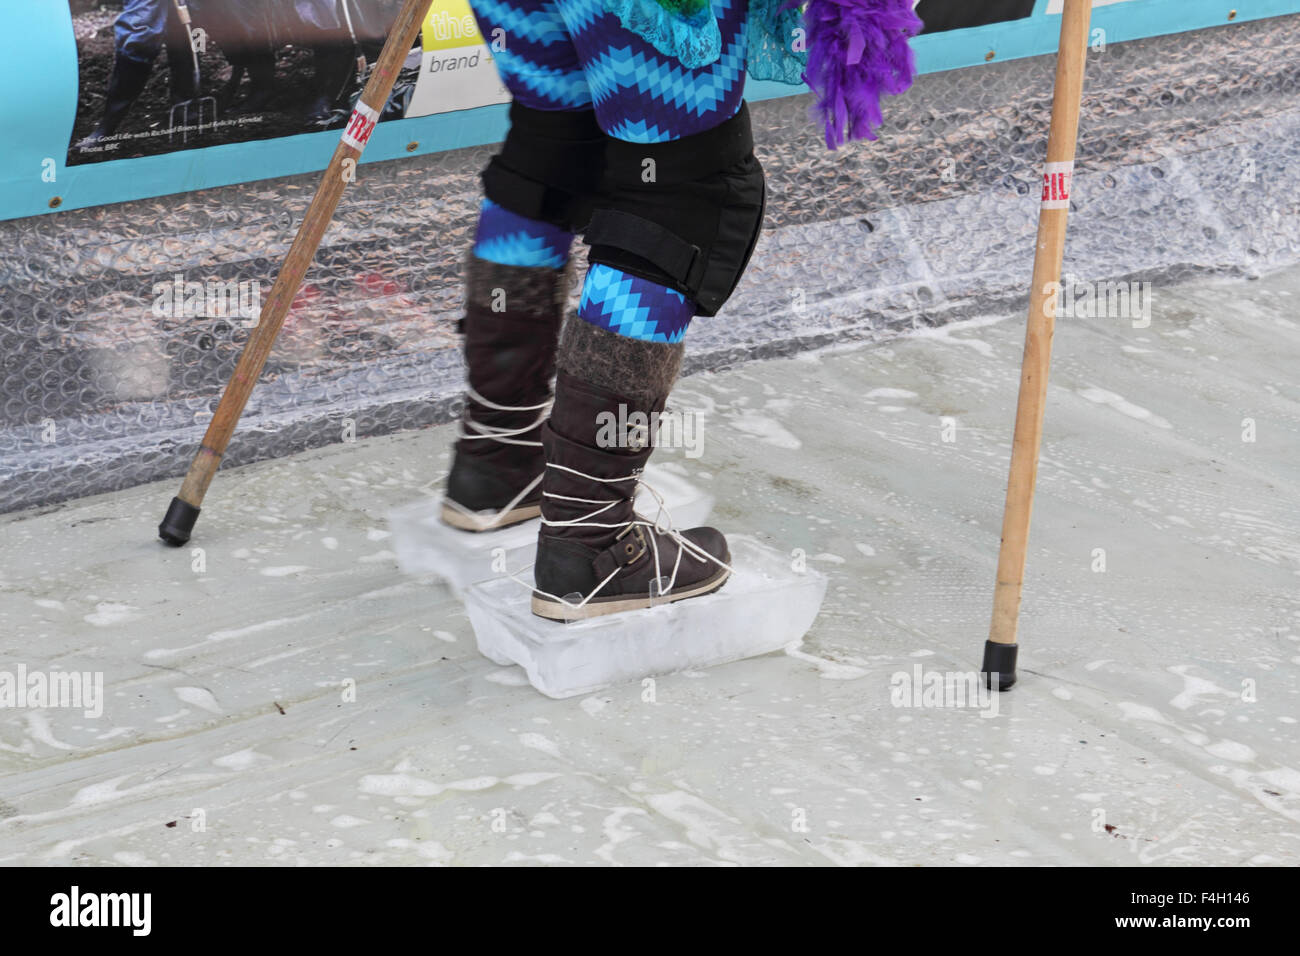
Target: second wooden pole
{"points": [[1049, 251]]}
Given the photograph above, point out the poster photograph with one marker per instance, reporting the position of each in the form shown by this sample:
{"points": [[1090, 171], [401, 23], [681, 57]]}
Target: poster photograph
{"points": [[156, 76]]}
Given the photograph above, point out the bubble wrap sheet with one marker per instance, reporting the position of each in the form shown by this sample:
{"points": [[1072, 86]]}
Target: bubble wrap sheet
{"points": [[1188, 164]]}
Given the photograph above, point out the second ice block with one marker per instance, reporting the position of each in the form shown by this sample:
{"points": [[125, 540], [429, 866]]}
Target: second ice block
{"points": [[763, 607]]}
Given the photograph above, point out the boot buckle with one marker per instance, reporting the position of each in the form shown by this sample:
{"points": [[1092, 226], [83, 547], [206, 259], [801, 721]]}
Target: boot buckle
{"points": [[631, 551]]}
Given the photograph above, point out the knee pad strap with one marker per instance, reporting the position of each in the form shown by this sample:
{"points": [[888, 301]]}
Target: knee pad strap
{"points": [[685, 213]]}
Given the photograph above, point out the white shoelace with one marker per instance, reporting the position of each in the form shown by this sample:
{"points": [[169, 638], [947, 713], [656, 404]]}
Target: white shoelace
{"points": [[684, 545], [506, 436]]}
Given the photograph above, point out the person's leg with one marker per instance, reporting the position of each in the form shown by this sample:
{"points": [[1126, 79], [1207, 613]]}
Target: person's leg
{"points": [[137, 38], [670, 233], [537, 191], [181, 73], [334, 69], [260, 65], [644, 96], [540, 68]]}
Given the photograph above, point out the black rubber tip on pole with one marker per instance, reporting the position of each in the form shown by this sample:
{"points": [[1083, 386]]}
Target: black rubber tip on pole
{"points": [[178, 522], [999, 668]]}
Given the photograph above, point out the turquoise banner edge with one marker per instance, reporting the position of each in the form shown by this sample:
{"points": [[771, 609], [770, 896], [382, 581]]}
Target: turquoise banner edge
{"points": [[41, 127]]}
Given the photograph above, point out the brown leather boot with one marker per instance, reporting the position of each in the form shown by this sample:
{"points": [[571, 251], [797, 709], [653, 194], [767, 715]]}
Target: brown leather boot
{"points": [[595, 555], [512, 321]]}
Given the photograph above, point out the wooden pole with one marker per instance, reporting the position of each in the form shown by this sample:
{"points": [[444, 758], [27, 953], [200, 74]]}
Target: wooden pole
{"points": [[184, 510], [1000, 648]]}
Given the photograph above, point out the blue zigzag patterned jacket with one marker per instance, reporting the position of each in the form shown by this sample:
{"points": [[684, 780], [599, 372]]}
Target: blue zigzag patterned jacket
{"points": [[850, 52]]}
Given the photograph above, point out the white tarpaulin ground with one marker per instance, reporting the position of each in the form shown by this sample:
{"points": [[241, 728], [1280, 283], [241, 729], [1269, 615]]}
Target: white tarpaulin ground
{"points": [[1154, 722]]}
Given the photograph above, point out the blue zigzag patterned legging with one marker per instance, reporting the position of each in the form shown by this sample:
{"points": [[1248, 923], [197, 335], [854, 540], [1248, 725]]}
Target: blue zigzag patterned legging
{"points": [[572, 55]]}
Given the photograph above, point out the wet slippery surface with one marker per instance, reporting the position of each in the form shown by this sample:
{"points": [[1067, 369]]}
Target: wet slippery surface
{"points": [[1155, 721]]}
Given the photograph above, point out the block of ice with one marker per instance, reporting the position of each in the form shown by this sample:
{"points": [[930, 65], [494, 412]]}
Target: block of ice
{"points": [[764, 606], [425, 545]]}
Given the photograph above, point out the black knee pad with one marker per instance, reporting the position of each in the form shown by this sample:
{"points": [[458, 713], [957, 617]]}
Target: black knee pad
{"points": [[549, 167], [685, 214]]}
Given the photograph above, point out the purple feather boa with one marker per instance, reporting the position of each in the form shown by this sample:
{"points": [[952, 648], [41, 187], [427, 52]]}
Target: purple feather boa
{"points": [[857, 52]]}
